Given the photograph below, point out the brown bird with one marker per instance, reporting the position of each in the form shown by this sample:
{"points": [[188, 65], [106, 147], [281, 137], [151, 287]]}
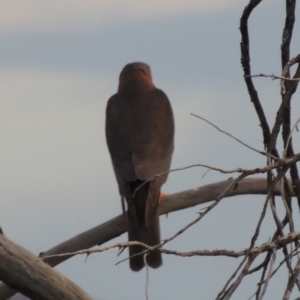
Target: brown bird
{"points": [[139, 135]]}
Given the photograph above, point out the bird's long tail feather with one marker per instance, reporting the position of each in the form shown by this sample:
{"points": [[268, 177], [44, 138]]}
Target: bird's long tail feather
{"points": [[138, 231]]}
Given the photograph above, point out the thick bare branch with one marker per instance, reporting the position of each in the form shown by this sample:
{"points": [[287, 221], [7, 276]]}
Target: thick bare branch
{"points": [[37, 281]]}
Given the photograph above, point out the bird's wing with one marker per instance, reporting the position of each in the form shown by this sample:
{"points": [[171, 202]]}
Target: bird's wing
{"points": [[152, 139], [140, 136], [118, 142]]}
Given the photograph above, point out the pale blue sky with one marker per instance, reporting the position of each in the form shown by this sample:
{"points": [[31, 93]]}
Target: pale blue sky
{"points": [[59, 63]]}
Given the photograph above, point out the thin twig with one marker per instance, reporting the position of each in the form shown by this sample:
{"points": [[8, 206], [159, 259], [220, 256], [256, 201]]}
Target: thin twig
{"points": [[273, 77], [277, 244], [238, 281], [292, 254], [225, 287], [276, 218], [292, 281], [256, 234], [288, 212], [209, 208], [147, 275], [262, 216], [289, 138], [278, 164], [266, 282], [236, 139]]}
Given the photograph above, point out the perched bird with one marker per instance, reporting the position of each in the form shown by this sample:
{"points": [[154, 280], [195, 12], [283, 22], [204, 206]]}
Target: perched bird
{"points": [[140, 139]]}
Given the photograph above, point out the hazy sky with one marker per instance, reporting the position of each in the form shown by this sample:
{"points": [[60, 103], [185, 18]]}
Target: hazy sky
{"points": [[59, 64]]}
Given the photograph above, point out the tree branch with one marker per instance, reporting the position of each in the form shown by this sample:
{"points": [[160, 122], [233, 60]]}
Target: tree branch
{"points": [[236, 139], [273, 76], [37, 281], [245, 61], [270, 246], [169, 203]]}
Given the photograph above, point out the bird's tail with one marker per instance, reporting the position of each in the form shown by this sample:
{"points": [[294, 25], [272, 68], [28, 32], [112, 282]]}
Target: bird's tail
{"points": [[148, 235], [138, 231]]}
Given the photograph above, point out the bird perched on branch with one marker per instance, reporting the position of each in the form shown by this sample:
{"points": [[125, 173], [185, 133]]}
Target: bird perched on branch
{"points": [[140, 139]]}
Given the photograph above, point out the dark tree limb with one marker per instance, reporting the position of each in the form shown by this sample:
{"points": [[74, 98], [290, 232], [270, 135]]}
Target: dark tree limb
{"points": [[35, 280], [289, 89], [287, 32], [245, 61]]}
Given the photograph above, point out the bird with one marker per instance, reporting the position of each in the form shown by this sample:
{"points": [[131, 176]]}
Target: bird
{"points": [[139, 131]]}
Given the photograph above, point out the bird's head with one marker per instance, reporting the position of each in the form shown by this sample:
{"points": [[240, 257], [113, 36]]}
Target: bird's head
{"points": [[136, 73]]}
